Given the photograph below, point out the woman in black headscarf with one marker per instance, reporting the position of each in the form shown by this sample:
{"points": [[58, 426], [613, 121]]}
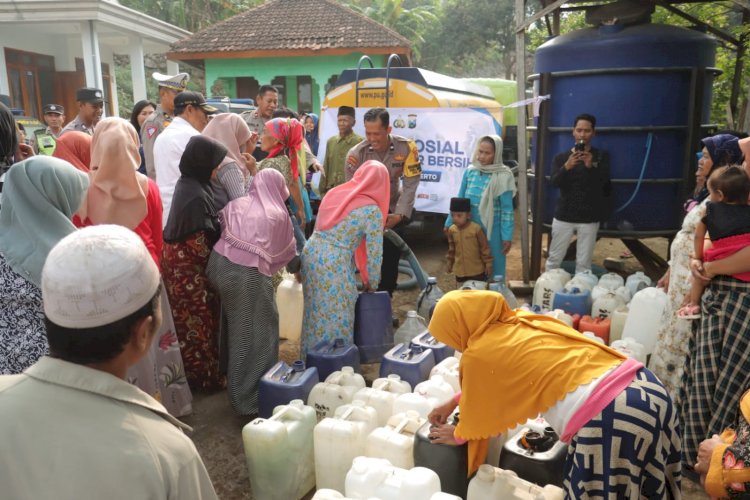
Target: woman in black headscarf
{"points": [[191, 232]]}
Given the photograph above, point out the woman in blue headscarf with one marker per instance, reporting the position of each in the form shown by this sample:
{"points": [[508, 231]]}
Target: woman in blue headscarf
{"points": [[311, 132], [41, 196]]}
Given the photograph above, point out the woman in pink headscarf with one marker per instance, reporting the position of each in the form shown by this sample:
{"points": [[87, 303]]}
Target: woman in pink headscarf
{"points": [[348, 233], [256, 241], [230, 179], [75, 148], [118, 194]]}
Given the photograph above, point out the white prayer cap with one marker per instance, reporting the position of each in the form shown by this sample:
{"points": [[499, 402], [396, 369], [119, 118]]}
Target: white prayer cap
{"points": [[96, 276], [175, 82]]}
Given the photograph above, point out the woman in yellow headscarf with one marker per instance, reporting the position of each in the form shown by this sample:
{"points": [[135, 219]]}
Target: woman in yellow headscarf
{"points": [[615, 415]]}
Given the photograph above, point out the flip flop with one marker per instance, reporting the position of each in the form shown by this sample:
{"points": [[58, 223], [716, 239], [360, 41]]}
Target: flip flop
{"points": [[626, 254]]}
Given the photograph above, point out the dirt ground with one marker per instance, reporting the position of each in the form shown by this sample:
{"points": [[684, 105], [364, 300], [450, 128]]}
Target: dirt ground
{"points": [[217, 430]]}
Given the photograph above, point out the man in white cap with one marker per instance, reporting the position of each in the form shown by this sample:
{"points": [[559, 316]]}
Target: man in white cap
{"points": [[169, 87], [70, 425]]}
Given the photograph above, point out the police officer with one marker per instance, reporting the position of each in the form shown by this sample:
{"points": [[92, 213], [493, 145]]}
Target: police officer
{"points": [[267, 101], [169, 87], [44, 141], [54, 117], [90, 109], [401, 157]]}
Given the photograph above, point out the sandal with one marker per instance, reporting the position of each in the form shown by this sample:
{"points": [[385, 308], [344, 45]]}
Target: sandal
{"points": [[689, 312]]}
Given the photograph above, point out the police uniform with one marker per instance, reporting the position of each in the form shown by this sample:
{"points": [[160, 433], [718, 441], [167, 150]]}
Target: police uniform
{"points": [[402, 160], [152, 127], [85, 94], [257, 124], [77, 124], [159, 119]]}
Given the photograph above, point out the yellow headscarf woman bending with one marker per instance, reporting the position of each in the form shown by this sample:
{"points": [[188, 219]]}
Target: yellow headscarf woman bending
{"points": [[516, 365]]}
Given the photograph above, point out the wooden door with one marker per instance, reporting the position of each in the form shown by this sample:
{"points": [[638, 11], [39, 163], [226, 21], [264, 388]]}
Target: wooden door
{"points": [[68, 82]]}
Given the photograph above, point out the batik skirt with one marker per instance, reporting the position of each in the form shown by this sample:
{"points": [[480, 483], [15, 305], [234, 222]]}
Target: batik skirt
{"points": [[631, 450], [161, 373], [195, 308], [717, 370]]}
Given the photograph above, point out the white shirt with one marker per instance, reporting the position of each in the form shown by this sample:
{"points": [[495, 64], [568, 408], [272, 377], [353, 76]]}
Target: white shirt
{"points": [[168, 149], [72, 432]]}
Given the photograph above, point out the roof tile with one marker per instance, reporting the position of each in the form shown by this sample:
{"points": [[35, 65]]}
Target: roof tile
{"points": [[292, 24]]}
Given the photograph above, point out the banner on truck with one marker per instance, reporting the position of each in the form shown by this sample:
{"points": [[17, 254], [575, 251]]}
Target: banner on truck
{"points": [[445, 138]]}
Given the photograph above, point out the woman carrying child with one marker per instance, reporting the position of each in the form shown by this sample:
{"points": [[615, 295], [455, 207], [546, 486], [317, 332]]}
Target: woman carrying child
{"points": [[726, 218], [490, 187]]}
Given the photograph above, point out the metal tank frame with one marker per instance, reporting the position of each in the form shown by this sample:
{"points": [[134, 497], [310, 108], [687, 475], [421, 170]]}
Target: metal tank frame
{"points": [[549, 11], [653, 263]]}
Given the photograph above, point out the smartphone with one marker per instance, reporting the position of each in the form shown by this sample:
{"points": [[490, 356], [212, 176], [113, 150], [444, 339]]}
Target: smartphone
{"points": [[580, 146]]}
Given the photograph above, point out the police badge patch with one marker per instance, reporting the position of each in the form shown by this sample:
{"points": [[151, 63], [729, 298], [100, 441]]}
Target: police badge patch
{"points": [[150, 130]]}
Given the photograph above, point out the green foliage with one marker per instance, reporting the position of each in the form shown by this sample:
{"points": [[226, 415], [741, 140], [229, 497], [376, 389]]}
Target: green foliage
{"points": [[476, 38], [192, 15], [411, 19]]}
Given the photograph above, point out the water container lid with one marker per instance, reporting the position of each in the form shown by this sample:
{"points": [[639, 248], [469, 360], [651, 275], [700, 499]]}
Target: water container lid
{"points": [[297, 403], [486, 473], [499, 277], [360, 465], [432, 280], [411, 314], [418, 349], [394, 377], [338, 342], [298, 366], [347, 369]]}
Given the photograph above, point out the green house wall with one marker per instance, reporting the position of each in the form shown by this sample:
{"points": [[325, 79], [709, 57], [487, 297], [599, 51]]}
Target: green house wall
{"points": [[265, 69]]}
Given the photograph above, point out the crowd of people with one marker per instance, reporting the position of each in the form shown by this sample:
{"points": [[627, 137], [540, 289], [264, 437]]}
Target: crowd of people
{"points": [[139, 263]]}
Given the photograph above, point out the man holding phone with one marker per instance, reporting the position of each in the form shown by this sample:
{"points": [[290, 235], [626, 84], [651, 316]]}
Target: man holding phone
{"points": [[582, 175]]}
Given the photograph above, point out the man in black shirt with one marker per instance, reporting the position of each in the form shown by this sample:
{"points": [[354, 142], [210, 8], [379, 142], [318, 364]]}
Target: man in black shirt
{"points": [[582, 175]]}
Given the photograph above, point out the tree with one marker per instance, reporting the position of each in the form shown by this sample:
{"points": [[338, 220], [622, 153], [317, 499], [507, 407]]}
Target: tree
{"points": [[192, 15], [409, 19], [476, 38]]}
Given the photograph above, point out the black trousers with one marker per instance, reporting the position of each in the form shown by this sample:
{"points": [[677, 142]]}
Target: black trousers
{"points": [[389, 267]]}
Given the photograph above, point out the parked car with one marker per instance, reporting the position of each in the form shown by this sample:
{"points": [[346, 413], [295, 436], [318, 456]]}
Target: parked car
{"points": [[227, 105]]}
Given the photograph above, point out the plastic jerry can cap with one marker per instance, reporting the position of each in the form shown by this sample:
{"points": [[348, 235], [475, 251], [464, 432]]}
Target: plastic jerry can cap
{"points": [[411, 314], [394, 377], [297, 403], [432, 280], [486, 473], [298, 366], [347, 369]]}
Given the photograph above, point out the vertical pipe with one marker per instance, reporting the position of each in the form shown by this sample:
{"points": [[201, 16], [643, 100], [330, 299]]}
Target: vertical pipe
{"points": [[694, 121], [523, 154], [542, 141]]}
